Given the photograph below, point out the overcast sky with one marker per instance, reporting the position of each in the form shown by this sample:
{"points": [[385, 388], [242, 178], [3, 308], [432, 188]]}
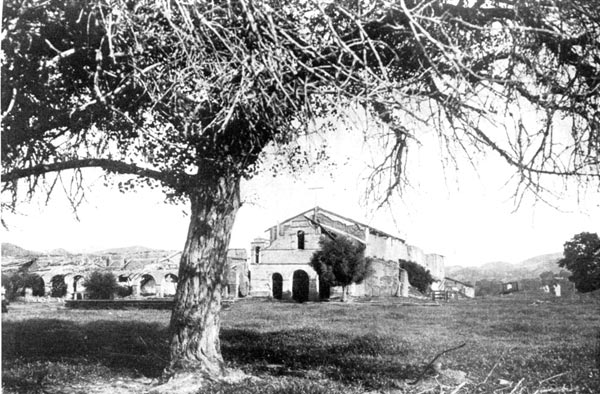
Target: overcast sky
{"points": [[468, 215]]}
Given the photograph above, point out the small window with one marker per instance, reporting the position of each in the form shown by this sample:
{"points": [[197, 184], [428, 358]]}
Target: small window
{"points": [[300, 239], [257, 255]]}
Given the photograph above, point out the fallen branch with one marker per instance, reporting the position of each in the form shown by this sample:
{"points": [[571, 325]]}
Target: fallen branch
{"points": [[490, 374], [458, 388], [552, 377], [433, 360], [513, 391]]}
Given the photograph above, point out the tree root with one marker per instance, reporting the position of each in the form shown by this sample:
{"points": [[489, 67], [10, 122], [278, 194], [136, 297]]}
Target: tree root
{"points": [[193, 382]]}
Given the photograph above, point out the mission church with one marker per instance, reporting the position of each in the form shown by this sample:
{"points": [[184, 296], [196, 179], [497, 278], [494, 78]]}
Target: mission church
{"points": [[279, 266]]}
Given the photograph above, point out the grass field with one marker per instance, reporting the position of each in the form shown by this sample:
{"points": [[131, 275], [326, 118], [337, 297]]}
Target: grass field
{"points": [[514, 344]]}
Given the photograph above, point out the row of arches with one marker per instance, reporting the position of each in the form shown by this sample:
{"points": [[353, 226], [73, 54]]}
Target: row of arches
{"points": [[73, 285], [300, 286]]}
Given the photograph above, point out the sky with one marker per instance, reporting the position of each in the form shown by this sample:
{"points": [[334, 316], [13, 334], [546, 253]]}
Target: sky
{"points": [[468, 215]]}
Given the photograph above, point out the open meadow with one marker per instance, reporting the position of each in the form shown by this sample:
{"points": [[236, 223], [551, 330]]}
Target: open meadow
{"points": [[522, 343]]}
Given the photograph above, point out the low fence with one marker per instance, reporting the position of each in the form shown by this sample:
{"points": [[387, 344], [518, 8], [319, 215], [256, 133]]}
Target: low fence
{"points": [[445, 295]]}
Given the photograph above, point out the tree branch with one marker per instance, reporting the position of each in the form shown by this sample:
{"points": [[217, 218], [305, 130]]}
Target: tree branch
{"points": [[169, 179]]}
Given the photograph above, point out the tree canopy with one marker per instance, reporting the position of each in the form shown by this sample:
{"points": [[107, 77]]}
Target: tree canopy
{"points": [[176, 92], [187, 95], [582, 258], [418, 276], [101, 285], [340, 261]]}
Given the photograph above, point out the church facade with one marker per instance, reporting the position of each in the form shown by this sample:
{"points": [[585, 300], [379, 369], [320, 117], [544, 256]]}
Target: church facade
{"points": [[279, 265]]}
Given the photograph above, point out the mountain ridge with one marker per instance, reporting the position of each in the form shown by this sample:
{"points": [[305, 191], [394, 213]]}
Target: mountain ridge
{"points": [[506, 271]]}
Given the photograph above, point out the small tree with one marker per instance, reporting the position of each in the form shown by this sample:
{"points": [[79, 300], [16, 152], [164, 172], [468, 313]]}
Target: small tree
{"points": [[582, 258], [101, 285], [340, 262], [16, 284], [418, 276]]}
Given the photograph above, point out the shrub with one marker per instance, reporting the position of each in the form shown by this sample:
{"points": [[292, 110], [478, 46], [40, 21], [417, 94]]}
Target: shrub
{"points": [[101, 285], [418, 276], [124, 291], [16, 284]]}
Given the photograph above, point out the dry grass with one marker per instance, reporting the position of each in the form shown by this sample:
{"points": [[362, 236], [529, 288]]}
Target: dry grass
{"points": [[520, 344]]}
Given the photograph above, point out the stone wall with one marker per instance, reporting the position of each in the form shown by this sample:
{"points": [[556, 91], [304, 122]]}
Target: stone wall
{"points": [[433, 262], [261, 284], [286, 238], [382, 281], [386, 248]]}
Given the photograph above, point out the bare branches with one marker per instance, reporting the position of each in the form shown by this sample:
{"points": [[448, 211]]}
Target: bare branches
{"points": [[106, 164], [203, 87]]}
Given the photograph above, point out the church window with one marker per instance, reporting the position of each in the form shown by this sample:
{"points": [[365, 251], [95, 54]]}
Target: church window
{"points": [[300, 239]]}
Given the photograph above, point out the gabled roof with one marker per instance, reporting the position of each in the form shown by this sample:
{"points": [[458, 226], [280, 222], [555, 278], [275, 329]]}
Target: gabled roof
{"points": [[319, 209], [458, 281]]}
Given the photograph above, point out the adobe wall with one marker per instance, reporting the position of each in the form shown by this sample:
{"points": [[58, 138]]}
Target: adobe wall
{"points": [[433, 262], [287, 236], [261, 284], [386, 248], [383, 280]]}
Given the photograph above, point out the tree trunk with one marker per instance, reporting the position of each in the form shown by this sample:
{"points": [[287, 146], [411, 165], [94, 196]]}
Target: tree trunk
{"points": [[344, 293], [195, 321]]}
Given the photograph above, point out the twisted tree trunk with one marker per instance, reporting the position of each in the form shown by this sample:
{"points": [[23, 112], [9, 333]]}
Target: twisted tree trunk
{"points": [[195, 320]]}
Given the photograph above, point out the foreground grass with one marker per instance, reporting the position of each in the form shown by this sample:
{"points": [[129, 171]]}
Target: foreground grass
{"points": [[540, 343]]}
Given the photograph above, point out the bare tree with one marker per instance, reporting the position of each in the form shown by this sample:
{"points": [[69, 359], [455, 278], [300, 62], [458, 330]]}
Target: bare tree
{"points": [[187, 94]]}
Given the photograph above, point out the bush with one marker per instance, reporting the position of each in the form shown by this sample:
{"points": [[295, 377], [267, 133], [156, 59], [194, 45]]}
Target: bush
{"points": [[418, 276], [101, 285], [124, 291], [16, 284]]}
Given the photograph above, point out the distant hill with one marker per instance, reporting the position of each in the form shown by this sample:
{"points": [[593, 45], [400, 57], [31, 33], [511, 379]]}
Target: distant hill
{"points": [[127, 250], [12, 250], [14, 258], [504, 271], [547, 262], [59, 252]]}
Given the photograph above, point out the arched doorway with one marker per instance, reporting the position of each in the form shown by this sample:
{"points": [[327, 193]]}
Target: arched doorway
{"points": [[39, 286], [59, 287], [324, 289], [170, 285], [300, 286], [277, 280], [148, 285], [78, 287]]}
